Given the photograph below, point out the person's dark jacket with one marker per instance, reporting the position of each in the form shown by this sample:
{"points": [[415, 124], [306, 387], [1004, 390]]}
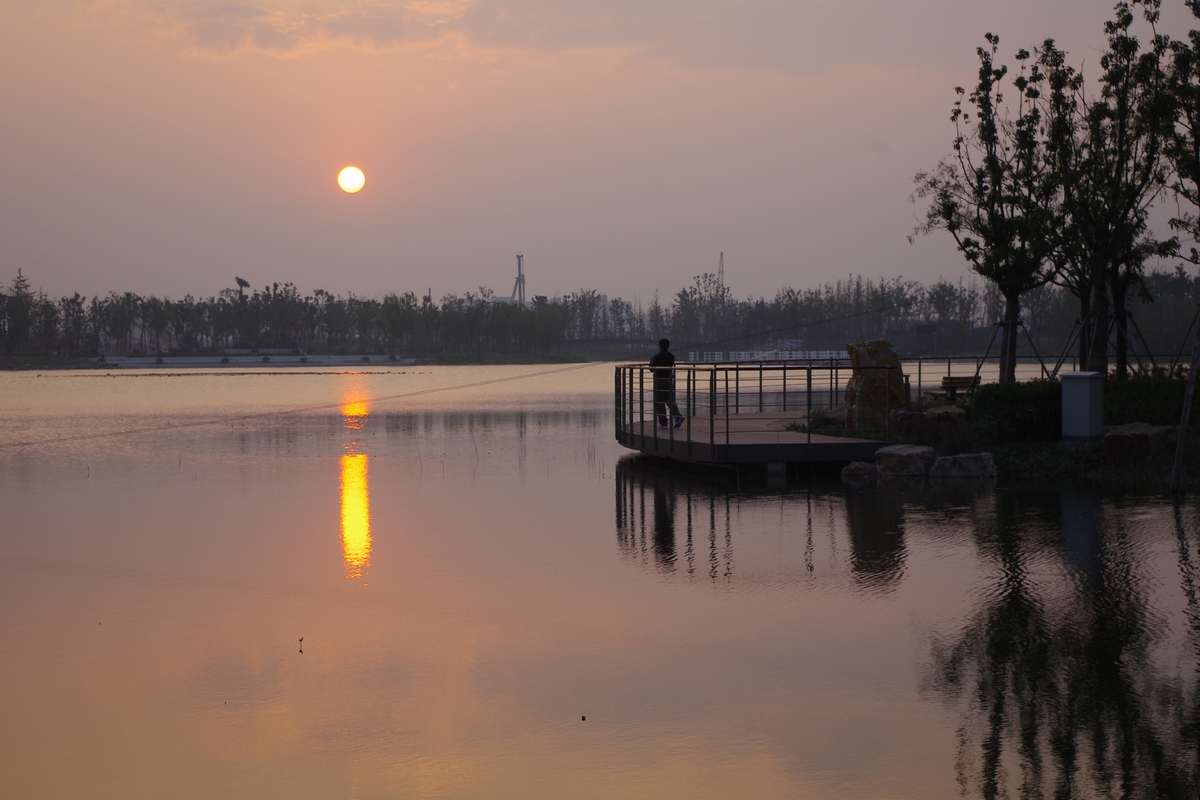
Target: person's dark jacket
{"points": [[663, 378]]}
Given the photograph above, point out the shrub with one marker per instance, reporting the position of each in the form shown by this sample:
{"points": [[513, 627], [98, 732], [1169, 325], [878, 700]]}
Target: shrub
{"points": [[1026, 410], [1158, 402], [1033, 410]]}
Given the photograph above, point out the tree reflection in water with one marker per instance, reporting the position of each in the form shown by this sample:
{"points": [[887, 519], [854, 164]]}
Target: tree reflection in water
{"points": [[1069, 672], [1055, 669]]}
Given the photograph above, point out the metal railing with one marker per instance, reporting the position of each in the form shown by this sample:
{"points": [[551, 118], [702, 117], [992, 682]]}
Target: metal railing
{"points": [[720, 402]]}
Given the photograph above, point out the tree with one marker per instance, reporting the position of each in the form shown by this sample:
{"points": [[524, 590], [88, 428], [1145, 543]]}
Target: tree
{"points": [[46, 314], [996, 195], [1182, 148], [1108, 154], [16, 313], [74, 323]]}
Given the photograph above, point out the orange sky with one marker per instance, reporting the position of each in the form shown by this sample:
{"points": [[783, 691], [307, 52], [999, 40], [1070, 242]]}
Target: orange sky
{"points": [[165, 147]]}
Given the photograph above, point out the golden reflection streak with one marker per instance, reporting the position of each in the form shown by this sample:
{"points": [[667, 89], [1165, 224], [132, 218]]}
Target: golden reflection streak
{"points": [[356, 515], [354, 414]]}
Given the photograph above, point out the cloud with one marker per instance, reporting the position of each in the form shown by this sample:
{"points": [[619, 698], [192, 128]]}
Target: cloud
{"points": [[230, 28], [780, 35]]}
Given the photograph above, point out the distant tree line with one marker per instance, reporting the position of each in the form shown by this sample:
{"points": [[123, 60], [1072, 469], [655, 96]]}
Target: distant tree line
{"points": [[1053, 177], [943, 317]]}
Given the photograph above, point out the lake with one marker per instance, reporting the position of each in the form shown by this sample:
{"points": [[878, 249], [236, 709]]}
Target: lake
{"points": [[451, 582]]}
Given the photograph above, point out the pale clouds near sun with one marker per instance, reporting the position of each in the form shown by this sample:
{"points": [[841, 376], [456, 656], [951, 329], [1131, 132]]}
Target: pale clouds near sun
{"points": [[770, 34], [166, 146], [288, 29]]}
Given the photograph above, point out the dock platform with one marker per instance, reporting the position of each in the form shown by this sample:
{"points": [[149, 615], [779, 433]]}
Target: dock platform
{"points": [[739, 414], [752, 438]]}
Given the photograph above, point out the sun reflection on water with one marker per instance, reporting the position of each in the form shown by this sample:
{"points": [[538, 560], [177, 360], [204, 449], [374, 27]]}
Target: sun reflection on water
{"points": [[356, 515], [356, 492], [354, 414]]}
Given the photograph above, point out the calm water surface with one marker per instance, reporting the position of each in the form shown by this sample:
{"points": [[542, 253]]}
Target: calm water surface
{"points": [[474, 567]]}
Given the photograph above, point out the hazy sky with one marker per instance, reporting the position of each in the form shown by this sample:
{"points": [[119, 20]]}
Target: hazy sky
{"points": [[163, 147]]}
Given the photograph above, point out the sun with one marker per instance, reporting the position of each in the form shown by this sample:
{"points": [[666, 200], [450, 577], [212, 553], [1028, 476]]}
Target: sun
{"points": [[351, 179]]}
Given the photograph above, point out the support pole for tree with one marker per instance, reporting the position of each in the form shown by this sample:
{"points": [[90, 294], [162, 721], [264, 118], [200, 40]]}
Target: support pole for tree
{"points": [[979, 366], [1177, 472], [1183, 344], [1149, 350], [1041, 361], [1062, 358]]}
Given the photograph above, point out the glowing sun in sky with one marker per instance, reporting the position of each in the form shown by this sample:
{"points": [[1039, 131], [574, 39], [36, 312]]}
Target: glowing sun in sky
{"points": [[351, 179]]}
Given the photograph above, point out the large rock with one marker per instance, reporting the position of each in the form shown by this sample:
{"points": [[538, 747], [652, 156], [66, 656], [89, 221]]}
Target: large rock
{"points": [[967, 465], [859, 471], [872, 394], [946, 430], [1138, 441], [904, 460]]}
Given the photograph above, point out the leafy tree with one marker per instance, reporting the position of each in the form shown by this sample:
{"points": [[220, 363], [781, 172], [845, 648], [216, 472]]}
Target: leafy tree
{"points": [[996, 194], [1108, 154], [74, 323], [46, 314], [16, 313]]}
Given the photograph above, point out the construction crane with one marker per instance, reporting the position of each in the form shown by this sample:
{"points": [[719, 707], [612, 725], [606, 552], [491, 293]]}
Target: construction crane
{"points": [[518, 292]]}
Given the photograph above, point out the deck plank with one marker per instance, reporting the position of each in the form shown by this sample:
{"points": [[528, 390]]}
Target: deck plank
{"points": [[752, 438]]}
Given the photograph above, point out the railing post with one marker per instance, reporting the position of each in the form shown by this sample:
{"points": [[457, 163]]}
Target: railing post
{"points": [[808, 414], [712, 413], [642, 401], [726, 372], [785, 386], [920, 391], [618, 397], [654, 408], [837, 383], [630, 373], [760, 387], [737, 389], [887, 422], [691, 401], [687, 391]]}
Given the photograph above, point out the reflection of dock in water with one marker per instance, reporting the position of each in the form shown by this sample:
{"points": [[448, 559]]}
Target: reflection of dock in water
{"points": [[685, 526]]}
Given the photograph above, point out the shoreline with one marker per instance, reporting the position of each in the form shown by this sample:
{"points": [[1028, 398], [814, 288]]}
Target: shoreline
{"points": [[273, 361]]}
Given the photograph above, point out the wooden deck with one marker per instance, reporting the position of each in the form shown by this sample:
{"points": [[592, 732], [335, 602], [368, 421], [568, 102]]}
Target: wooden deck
{"points": [[754, 438]]}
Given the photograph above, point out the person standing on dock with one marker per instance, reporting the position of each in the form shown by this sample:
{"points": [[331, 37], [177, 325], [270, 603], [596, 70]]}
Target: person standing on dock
{"points": [[663, 365]]}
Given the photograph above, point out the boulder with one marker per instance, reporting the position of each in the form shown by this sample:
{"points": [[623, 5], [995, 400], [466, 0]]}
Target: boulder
{"points": [[1138, 441], [946, 430], [859, 471], [904, 460], [871, 394], [967, 465]]}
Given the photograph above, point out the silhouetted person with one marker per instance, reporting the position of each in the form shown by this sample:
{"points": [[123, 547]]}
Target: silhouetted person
{"points": [[663, 365]]}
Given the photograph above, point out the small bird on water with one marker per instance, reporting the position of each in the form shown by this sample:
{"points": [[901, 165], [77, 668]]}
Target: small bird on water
{"points": [[301, 645]]}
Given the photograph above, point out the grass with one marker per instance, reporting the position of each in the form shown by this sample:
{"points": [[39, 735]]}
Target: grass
{"points": [[875, 434]]}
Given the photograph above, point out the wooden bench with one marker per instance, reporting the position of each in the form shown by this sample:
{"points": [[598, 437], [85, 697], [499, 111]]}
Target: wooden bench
{"points": [[953, 384]]}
